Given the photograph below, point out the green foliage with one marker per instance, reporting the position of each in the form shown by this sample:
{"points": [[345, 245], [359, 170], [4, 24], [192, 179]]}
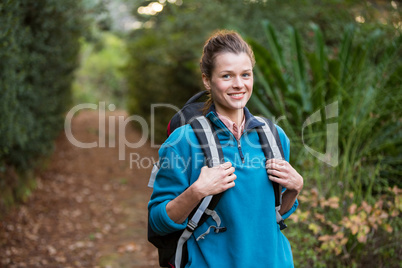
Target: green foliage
{"points": [[163, 65], [361, 84], [100, 76], [363, 80], [164, 54], [38, 51], [325, 57]]}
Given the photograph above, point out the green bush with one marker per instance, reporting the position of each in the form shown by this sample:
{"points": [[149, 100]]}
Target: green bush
{"points": [[164, 53], [364, 87], [299, 71], [349, 216], [163, 63], [100, 76], [38, 54], [330, 232]]}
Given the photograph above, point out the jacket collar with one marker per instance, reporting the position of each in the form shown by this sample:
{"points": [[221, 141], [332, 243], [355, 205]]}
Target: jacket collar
{"points": [[251, 121]]}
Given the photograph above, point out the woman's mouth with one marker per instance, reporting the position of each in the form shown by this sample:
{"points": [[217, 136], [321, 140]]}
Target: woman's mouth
{"points": [[236, 95]]}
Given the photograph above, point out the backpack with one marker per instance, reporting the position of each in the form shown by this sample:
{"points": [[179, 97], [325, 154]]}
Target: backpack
{"points": [[172, 249]]}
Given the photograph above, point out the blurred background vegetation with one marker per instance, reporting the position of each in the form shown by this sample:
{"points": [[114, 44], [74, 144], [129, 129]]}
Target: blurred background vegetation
{"points": [[38, 55], [309, 54]]}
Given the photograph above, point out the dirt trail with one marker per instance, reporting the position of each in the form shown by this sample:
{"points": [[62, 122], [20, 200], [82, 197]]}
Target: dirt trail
{"points": [[89, 208]]}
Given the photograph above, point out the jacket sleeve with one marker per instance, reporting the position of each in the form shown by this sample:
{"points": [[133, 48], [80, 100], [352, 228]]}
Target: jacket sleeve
{"points": [[286, 151], [171, 180]]}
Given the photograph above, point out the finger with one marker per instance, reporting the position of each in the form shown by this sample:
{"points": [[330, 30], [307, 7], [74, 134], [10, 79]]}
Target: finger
{"points": [[230, 185], [276, 173], [275, 165], [279, 180], [229, 172], [228, 179], [226, 165], [231, 177], [276, 161]]}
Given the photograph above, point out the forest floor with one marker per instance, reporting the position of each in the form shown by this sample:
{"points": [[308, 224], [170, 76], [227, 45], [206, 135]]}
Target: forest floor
{"points": [[89, 208]]}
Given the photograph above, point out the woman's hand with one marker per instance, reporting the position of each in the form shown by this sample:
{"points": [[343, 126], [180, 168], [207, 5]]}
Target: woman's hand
{"points": [[215, 180], [210, 182], [282, 172]]}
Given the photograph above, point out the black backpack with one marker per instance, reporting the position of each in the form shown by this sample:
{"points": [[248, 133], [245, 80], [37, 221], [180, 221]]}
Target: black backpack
{"points": [[172, 248]]}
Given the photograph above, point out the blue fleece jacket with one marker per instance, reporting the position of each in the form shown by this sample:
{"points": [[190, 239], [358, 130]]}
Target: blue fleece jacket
{"points": [[253, 238]]}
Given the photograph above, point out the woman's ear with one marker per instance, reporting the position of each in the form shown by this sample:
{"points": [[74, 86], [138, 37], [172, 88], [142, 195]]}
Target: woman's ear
{"points": [[207, 82]]}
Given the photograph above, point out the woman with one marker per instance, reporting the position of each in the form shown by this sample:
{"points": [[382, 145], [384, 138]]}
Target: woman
{"points": [[253, 238]]}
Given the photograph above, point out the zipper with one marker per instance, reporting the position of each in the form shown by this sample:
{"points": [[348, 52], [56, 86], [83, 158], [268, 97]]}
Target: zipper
{"points": [[240, 151], [237, 140]]}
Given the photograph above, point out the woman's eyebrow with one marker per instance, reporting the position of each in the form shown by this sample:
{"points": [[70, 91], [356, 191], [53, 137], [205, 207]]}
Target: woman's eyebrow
{"points": [[230, 71]]}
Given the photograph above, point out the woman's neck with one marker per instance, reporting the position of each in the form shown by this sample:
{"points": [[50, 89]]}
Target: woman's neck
{"points": [[236, 116]]}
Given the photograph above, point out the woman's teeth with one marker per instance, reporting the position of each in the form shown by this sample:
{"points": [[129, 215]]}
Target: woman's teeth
{"points": [[236, 95]]}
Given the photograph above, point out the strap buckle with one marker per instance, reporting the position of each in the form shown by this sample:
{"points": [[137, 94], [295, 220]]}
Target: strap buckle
{"points": [[219, 229], [279, 219], [191, 226], [282, 225]]}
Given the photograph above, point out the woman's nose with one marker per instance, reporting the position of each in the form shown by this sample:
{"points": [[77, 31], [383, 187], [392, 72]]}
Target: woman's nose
{"points": [[238, 82]]}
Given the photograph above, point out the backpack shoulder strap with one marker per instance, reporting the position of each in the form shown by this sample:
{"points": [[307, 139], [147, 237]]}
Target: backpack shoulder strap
{"points": [[172, 246], [210, 145], [272, 148], [272, 139], [208, 140]]}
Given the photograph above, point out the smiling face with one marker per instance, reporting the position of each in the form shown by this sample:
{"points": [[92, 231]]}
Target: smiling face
{"points": [[231, 84]]}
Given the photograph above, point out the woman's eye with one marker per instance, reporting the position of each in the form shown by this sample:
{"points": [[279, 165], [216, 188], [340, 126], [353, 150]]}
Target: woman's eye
{"points": [[246, 75], [226, 76]]}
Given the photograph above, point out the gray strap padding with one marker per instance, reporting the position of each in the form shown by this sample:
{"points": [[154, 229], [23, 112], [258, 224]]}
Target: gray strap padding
{"points": [[179, 250], [154, 171], [193, 222], [271, 139], [210, 138], [216, 218], [200, 210], [277, 155], [207, 232], [278, 215]]}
